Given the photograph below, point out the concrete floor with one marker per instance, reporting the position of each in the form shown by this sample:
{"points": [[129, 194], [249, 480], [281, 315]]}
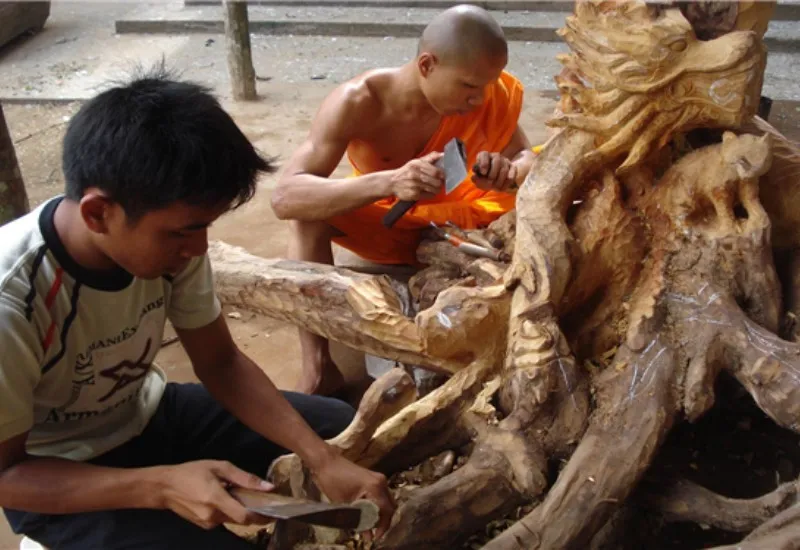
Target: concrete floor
{"points": [[77, 54]]}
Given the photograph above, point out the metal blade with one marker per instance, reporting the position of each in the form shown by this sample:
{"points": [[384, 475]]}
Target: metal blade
{"points": [[342, 516], [454, 164]]}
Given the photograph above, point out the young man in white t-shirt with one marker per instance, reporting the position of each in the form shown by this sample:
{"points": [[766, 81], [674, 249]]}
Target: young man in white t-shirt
{"points": [[97, 450]]}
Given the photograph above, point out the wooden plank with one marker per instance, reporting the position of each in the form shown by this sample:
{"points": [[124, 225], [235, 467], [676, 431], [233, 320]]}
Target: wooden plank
{"points": [[19, 17], [240, 57]]}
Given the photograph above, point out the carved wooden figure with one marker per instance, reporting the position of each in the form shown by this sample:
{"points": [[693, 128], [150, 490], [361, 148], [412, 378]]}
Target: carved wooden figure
{"points": [[626, 246]]}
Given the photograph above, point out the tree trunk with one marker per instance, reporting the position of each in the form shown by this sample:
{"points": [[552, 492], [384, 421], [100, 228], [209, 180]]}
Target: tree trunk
{"points": [[641, 269], [240, 57], [13, 198]]}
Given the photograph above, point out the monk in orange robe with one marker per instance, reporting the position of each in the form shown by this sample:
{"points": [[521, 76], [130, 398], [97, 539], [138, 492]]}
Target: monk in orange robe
{"points": [[393, 125]]}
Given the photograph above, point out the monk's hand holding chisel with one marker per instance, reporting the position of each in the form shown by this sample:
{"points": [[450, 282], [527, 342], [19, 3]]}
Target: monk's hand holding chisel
{"points": [[417, 179], [493, 171]]}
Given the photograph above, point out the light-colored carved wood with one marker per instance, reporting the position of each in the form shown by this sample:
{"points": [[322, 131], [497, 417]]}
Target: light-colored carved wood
{"points": [[640, 270], [390, 394], [650, 78], [362, 311]]}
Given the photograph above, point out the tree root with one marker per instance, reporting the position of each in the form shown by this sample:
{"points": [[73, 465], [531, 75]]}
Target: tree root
{"points": [[405, 434], [385, 397], [768, 367], [684, 500], [780, 533], [636, 408], [478, 492], [363, 311], [704, 300]]}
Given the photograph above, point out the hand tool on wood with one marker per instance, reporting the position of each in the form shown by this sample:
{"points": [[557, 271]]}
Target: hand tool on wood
{"points": [[454, 165], [476, 168], [473, 237], [359, 515], [471, 248]]}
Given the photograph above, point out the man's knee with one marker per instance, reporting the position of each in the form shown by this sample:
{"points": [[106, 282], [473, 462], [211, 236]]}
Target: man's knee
{"points": [[122, 529], [341, 414], [326, 416]]}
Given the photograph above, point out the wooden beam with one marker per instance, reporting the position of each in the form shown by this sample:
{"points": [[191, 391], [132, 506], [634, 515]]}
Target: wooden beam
{"points": [[13, 198], [240, 57]]}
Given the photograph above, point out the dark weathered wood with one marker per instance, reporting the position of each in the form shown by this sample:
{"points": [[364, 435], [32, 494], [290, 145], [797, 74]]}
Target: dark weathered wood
{"points": [[685, 500], [13, 198], [240, 57], [17, 18]]}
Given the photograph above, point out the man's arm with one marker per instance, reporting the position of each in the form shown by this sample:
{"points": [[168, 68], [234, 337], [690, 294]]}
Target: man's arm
{"points": [[244, 390], [47, 485], [305, 192], [57, 486], [194, 490]]}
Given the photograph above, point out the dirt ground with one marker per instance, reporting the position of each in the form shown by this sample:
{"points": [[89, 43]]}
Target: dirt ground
{"points": [[276, 124]]}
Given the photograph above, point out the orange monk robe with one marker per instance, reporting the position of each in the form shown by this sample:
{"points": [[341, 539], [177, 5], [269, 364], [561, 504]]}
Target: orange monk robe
{"points": [[488, 128]]}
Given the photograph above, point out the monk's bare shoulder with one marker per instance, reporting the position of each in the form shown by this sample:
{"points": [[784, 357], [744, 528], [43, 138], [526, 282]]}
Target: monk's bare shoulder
{"points": [[354, 108]]}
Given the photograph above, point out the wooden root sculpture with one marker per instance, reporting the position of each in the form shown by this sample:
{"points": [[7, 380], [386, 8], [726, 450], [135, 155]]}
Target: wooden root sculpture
{"points": [[625, 246]]}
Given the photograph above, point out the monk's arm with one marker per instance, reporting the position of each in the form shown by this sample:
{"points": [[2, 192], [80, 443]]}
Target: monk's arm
{"points": [[305, 191], [520, 153]]}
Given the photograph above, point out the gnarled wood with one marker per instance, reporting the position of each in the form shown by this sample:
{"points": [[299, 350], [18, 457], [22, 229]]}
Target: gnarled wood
{"points": [[640, 270], [780, 533], [362, 311], [684, 500], [13, 198], [391, 393], [240, 57]]}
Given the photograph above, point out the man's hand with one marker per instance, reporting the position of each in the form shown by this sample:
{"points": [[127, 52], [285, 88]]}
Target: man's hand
{"points": [[493, 171], [344, 481], [197, 492], [417, 179]]}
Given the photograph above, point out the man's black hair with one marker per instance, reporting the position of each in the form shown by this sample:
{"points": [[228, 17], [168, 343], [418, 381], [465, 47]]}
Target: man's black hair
{"points": [[155, 141]]}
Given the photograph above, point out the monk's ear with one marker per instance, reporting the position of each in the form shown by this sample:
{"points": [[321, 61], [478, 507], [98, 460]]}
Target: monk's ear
{"points": [[426, 61]]}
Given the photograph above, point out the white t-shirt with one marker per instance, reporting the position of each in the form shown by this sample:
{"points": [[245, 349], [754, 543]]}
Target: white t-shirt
{"points": [[77, 346]]}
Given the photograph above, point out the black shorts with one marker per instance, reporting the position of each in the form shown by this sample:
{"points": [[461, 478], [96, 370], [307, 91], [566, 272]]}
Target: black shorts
{"points": [[188, 425]]}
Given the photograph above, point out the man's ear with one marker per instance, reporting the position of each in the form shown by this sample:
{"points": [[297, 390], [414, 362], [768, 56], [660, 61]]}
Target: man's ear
{"points": [[95, 208], [426, 61]]}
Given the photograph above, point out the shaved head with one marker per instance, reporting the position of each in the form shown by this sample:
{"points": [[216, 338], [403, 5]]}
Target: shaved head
{"points": [[462, 35]]}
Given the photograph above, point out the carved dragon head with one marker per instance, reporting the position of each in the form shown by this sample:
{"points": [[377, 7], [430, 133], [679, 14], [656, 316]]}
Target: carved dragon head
{"points": [[637, 75]]}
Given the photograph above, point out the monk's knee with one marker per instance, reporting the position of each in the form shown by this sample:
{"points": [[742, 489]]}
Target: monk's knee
{"points": [[311, 230], [311, 241]]}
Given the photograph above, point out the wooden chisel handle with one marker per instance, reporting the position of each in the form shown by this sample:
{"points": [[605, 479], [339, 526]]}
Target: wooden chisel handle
{"points": [[480, 251], [474, 249], [396, 212]]}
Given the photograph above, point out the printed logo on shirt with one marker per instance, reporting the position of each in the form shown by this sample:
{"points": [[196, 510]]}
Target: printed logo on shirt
{"points": [[83, 375], [123, 335], [127, 372], [110, 373]]}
